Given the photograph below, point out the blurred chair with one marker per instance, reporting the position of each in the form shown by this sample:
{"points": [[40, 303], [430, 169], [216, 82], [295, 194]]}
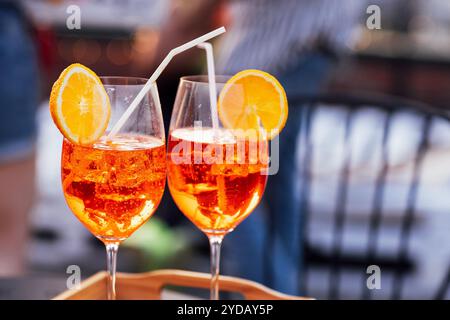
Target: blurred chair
{"points": [[352, 152], [444, 288]]}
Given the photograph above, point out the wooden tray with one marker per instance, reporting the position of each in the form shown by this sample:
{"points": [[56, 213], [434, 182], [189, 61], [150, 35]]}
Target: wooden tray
{"points": [[149, 285]]}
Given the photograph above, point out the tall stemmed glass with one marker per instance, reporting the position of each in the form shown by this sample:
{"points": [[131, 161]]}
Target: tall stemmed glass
{"points": [[215, 176], [114, 185]]}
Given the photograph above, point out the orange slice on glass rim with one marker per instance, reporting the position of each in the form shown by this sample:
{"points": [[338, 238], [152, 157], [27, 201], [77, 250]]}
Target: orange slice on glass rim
{"points": [[252, 99], [79, 105]]}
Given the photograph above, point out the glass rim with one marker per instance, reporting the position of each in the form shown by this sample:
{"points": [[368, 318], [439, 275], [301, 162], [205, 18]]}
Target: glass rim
{"points": [[123, 80], [203, 78]]}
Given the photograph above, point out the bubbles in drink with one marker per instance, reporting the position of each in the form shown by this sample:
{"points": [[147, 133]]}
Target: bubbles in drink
{"points": [[114, 186], [217, 193]]}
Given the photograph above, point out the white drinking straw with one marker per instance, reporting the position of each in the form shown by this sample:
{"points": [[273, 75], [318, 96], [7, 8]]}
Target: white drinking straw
{"points": [[212, 83], [154, 92], [157, 73]]}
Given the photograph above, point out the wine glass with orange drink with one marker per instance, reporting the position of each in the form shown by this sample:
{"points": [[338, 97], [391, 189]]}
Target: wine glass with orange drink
{"points": [[217, 168], [112, 184]]}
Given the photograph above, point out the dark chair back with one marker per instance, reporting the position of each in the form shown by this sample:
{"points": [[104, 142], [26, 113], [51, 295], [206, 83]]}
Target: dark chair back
{"points": [[364, 140]]}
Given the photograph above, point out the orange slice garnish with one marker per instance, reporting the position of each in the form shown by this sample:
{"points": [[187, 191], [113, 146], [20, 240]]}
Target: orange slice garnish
{"points": [[79, 105], [252, 99]]}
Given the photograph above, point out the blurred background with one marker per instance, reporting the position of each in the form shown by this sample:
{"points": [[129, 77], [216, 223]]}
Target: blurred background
{"points": [[372, 173]]}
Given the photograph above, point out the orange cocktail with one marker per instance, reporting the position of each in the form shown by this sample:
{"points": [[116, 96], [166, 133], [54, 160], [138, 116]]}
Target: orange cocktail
{"points": [[217, 153], [113, 187], [112, 181]]}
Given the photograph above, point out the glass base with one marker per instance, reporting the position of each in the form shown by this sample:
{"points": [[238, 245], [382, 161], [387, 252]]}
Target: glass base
{"points": [[219, 232], [107, 240]]}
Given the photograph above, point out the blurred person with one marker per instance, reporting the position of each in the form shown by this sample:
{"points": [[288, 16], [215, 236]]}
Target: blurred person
{"points": [[18, 102], [299, 42]]}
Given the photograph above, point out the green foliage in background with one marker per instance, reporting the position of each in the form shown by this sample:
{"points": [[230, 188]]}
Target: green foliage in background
{"points": [[158, 244]]}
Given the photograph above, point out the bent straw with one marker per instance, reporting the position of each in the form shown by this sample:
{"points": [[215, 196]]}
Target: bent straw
{"points": [[212, 83], [155, 94], [156, 74]]}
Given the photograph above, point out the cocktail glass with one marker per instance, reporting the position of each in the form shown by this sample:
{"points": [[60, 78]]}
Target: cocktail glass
{"points": [[114, 185], [216, 176]]}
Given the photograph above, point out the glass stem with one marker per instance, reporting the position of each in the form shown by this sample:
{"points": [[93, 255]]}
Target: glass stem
{"points": [[111, 259], [215, 243]]}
